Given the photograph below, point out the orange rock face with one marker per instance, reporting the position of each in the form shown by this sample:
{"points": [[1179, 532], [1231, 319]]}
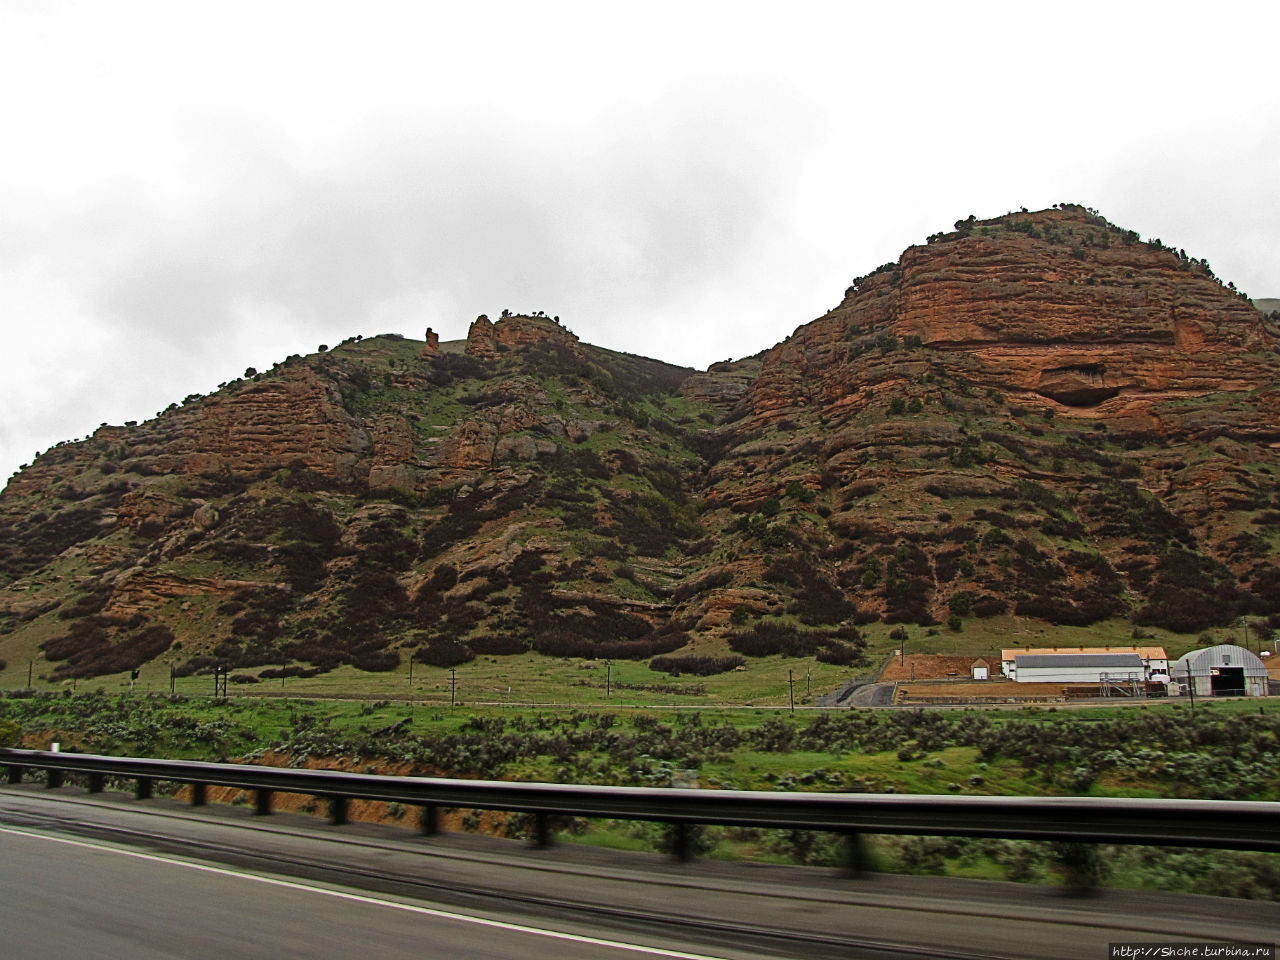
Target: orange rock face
{"points": [[1056, 310], [297, 417], [486, 339]]}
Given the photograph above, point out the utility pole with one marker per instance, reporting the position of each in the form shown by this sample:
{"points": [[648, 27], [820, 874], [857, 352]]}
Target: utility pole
{"points": [[30, 666], [453, 685], [411, 671], [608, 678], [173, 678], [808, 676], [791, 683]]}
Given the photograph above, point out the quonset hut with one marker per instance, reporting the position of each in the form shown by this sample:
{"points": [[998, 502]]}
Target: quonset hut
{"points": [[1221, 671]]}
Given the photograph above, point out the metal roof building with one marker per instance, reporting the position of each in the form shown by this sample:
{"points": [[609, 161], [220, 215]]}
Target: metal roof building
{"points": [[1077, 667], [1154, 657], [1222, 671]]}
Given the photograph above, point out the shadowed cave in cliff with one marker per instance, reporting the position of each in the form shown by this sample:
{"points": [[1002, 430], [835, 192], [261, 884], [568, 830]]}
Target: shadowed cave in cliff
{"points": [[1080, 385]]}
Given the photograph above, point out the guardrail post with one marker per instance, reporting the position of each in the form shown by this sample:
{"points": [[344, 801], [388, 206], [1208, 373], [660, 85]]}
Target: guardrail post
{"points": [[262, 802], [542, 830], [682, 841], [55, 779], [337, 811], [198, 795], [429, 819], [97, 782], [856, 861], [1083, 869], [143, 791], [15, 773]]}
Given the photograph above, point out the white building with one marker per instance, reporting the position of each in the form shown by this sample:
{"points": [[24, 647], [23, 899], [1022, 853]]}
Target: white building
{"points": [[1221, 671], [1078, 667], [1154, 659]]}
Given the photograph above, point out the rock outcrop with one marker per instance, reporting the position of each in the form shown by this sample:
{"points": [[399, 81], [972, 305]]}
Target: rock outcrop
{"points": [[1057, 309]]}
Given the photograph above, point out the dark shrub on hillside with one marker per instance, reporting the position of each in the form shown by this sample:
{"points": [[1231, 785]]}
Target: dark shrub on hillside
{"points": [[305, 565], [840, 654], [1184, 612], [818, 601], [909, 610], [243, 678], [3, 663], [96, 655], [323, 652], [1190, 593], [696, 666], [237, 552], [383, 543], [263, 611], [995, 537], [563, 643], [277, 673], [83, 636], [947, 563], [711, 581], [1264, 582], [374, 599], [767, 638], [444, 653], [601, 624], [651, 524], [447, 531], [444, 577], [298, 476], [1061, 611], [579, 460], [989, 606], [38, 542], [498, 645], [451, 366], [86, 604], [908, 585], [198, 664], [1122, 509], [375, 660], [993, 517]]}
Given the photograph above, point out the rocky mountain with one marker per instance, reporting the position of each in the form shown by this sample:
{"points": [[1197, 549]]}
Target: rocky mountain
{"points": [[1039, 415]]}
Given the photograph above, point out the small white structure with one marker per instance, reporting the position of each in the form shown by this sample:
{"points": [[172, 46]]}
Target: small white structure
{"points": [[1222, 671], [980, 670], [1077, 667], [1154, 659]]}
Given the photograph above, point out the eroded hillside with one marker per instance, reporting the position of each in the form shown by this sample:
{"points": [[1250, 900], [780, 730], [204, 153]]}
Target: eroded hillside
{"points": [[1038, 415]]}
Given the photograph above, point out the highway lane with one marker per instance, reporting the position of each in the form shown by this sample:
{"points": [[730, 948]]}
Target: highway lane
{"points": [[729, 910], [63, 897]]}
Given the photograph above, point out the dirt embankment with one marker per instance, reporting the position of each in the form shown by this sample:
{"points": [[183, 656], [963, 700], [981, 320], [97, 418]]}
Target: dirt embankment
{"points": [[497, 823], [936, 666]]}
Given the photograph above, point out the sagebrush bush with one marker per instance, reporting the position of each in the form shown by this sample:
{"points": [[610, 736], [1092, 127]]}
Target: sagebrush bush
{"points": [[696, 666]]}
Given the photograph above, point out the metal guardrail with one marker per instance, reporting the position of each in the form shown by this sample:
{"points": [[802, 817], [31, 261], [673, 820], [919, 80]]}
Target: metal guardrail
{"points": [[1239, 825]]}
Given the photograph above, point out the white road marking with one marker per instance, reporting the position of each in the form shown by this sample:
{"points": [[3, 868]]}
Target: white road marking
{"points": [[373, 901]]}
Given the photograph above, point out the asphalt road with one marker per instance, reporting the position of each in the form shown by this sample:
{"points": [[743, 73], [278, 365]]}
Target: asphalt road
{"points": [[69, 898], [111, 877]]}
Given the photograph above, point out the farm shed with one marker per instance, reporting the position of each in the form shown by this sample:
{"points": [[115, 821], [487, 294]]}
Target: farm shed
{"points": [[980, 670], [1077, 667], [1153, 658], [1222, 671]]}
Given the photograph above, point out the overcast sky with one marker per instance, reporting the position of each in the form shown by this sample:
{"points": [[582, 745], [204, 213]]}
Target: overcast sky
{"points": [[189, 189]]}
